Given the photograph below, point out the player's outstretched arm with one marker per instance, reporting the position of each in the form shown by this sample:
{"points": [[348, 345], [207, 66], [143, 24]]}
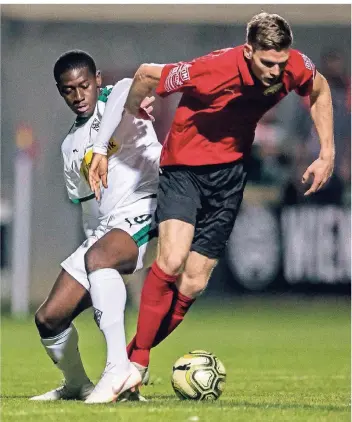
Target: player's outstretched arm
{"points": [[321, 111], [145, 80], [98, 172], [113, 114]]}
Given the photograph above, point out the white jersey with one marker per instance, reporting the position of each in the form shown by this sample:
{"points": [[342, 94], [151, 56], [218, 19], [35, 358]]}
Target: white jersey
{"points": [[133, 150]]}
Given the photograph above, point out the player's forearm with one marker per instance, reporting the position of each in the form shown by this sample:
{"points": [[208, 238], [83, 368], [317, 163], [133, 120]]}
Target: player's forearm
{"points": [[145, 80], [322, 115]]}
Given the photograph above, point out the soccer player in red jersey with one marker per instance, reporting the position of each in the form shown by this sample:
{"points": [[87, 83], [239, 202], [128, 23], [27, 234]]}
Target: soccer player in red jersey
{"points": [[203, 167]]}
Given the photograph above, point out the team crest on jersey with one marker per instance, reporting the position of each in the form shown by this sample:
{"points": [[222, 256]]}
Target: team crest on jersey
{"points": [[96, 124], [113, 148], [177, 76], [273, 89]]}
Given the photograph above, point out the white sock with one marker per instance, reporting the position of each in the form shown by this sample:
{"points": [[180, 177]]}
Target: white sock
{"points": [[63, 350], [108, 293]]}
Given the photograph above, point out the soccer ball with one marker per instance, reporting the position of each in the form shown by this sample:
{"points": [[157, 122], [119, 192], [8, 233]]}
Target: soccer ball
{"points": [[198, 375]]}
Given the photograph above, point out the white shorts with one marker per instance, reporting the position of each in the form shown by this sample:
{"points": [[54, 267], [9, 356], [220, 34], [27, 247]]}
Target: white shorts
{"points": [[137, 219]]}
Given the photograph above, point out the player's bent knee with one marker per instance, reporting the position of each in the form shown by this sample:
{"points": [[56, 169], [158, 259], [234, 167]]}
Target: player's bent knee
{"points": [[196, 289], [171, 264], [192, 285], [92, 260], [49, 325]]}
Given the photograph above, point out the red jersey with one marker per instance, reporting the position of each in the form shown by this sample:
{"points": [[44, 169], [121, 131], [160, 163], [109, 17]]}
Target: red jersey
{"points": [[221, 105]]}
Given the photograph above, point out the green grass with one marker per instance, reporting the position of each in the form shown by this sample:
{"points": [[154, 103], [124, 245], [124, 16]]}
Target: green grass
{"points": [[287, 359]]}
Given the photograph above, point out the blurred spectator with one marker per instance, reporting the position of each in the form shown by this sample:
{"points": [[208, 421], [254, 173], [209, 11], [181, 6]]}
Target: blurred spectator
{"points": [[269, 159], [334, 69]]}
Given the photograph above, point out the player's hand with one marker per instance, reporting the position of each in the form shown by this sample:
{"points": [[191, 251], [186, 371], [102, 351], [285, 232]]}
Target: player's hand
{"points": [[321, 170], [146, 108], [98, 172]]}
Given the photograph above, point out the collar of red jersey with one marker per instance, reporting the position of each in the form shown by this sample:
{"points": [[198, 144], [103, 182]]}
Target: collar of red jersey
{"points": [[244, 69]]}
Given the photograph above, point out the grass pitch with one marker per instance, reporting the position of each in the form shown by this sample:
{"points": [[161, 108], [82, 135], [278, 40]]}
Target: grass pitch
{"points": [[287, 359]]}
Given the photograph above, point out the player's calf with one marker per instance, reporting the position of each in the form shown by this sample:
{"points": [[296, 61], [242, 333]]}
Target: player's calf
{"points": [[63, 351]]}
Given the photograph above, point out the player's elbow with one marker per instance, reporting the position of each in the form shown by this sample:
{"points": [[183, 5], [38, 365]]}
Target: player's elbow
{"points": [[142, 70], [148, 74]]}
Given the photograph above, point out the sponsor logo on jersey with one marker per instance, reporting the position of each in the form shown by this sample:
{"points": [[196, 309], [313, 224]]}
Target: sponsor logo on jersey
{"points": [[113, 148], [177, 77], [273, 89]]}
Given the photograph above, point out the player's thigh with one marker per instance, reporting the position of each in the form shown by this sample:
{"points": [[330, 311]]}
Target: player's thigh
{"points": [[223, 194], [178, 195], [213, 232], [176, 214], [116, 249], [74, 265], [175, 239], [66, 299], [122, 240]]}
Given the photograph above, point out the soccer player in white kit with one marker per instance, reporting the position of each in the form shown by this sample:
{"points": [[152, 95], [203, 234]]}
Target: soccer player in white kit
{"points": [[119, 228]]}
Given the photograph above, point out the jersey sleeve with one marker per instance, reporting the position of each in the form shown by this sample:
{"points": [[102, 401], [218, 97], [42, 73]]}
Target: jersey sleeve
{"points": [[187, 77], [304, 74], [112, 115]]}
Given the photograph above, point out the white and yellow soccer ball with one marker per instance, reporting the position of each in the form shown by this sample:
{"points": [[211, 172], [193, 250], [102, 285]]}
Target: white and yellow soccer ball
{"points": [[198, 375]]}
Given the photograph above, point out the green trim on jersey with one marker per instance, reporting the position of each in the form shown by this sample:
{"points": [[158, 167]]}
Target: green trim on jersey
{"points": [[104, 94], [81, 121], [144, 235], [86, 198]]}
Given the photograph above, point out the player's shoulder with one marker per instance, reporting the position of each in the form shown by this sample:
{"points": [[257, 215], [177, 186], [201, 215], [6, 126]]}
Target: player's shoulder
{"points": [[104, 93], [119, 87], [299, 63]]}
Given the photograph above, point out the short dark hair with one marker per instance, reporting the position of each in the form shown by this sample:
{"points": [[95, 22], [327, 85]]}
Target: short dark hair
{"points": [[73, 59], [268, 31]]}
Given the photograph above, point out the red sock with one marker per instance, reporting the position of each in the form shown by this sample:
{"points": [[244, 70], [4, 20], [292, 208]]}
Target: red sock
{"points": [[156, 300], [179, 308], [131, 346]]}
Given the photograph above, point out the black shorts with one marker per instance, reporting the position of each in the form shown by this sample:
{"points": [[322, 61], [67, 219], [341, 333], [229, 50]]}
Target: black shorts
{"points": [[207, 197]]}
